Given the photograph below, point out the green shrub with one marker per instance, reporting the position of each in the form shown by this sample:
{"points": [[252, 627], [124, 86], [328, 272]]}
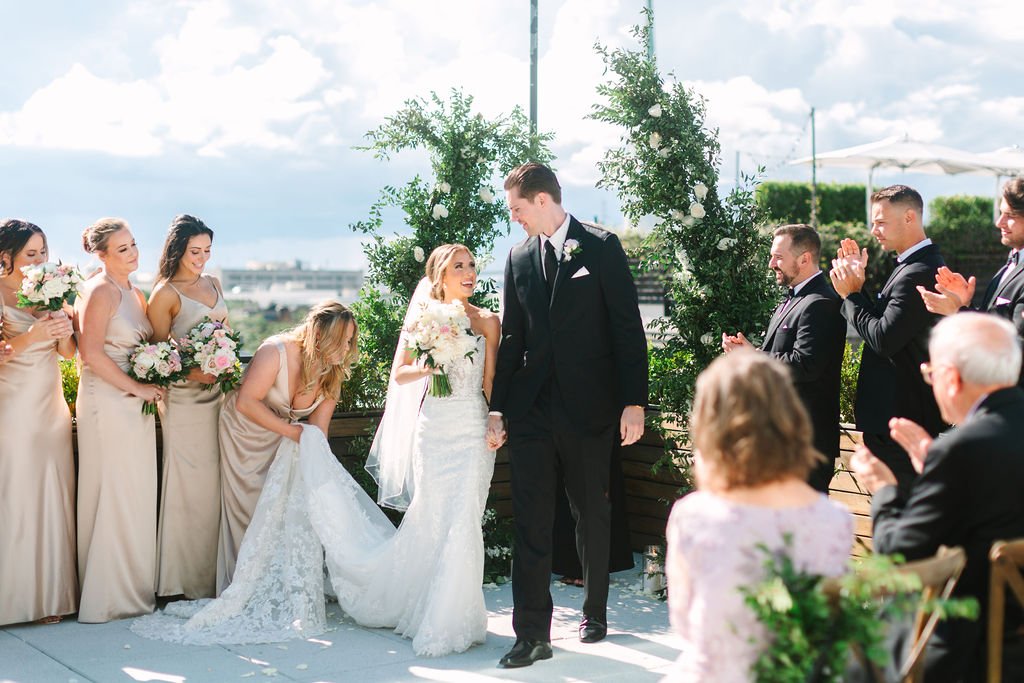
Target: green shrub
{"points": [[69, 381], [848, 382], [963, 228], [790, 202]]}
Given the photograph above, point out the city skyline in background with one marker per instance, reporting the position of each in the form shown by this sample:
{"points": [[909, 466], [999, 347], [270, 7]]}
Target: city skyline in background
{"points": [[247, 114]]}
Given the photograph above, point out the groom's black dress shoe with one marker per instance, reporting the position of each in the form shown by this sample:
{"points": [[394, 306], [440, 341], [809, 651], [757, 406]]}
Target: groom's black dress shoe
{"points": [[525, 652], [592, 630]]}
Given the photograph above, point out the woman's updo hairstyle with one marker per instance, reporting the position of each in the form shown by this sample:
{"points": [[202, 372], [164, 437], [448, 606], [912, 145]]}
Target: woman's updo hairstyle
{"points": [[96, 236], [14, 235], [438, 262]]}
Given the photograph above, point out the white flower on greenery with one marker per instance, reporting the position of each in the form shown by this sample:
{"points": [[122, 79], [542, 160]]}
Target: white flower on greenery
{"points": [[726, 243], [654, 140], [700, 191], [570, 249], [682, 258], [707, 339], [663, 152], [655, 111], [697, 210], [689, 221], [480, 160], [676, 215], [417, 253], [486, 195], [440, 211], [444, 187]]}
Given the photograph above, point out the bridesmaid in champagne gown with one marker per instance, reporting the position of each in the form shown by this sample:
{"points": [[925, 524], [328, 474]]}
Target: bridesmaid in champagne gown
{"points": [[37, 472], [189, 518], [116, 442], [293, 375]]}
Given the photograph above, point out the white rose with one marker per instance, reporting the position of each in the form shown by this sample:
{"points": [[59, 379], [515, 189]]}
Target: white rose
{"points": [[689, 220], [676, 214], [707, 339], [163, 368], [725, 243], [144, 361], [655, 111], [445, 188], [417, 253], [697, 210], [663, 152], [486, 195], [440, 211], [700, 191], [52, 289], [654, 141]]}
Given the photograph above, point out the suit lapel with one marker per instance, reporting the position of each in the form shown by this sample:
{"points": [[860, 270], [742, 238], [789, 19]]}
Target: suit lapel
{"points": [[1000, 288], [527, 258], [573, 233]]}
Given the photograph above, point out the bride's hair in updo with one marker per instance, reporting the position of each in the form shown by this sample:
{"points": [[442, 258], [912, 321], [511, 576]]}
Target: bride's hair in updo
{"points": [[438, 262], [96, 236], [14, 235], [320, 336]]}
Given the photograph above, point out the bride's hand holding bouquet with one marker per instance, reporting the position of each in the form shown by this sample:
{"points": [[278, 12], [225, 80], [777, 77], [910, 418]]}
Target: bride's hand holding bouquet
{"points": [[437, 337]]}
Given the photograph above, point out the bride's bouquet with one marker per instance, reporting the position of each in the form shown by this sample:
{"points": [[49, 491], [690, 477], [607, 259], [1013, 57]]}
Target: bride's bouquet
{"points": [[48, 286], [212, 346], [158, 364], [439, 336]]}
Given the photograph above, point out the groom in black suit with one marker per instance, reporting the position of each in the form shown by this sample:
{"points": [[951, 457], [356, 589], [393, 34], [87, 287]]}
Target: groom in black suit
{"points": [[807, 333], [570, 379]]}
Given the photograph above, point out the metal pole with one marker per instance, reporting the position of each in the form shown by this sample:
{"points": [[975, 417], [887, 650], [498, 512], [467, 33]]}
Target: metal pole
{"points": [[814, 175], [533, 67], [737, 168], [650, 29]]}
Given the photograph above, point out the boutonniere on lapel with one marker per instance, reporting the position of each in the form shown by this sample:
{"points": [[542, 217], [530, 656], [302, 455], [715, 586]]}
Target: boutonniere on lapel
{"points": [[569, 249]]}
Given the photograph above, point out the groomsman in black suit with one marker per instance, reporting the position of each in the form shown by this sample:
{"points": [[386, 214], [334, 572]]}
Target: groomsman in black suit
{"points": [[807, 333], [570, 378], [894, 325], [970, 491], [1005, 293]]}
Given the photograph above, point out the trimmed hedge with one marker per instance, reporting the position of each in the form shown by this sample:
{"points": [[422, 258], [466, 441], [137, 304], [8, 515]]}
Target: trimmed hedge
{"points": [[790, 202]]}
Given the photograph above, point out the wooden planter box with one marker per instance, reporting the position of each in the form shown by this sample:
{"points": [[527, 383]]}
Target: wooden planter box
{"points": [[649, 494]]}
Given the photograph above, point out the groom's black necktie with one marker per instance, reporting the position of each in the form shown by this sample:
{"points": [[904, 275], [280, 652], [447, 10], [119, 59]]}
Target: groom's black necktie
{"points": [[550, 266]]}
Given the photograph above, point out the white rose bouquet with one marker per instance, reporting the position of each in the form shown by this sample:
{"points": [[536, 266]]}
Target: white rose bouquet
{"points": [[212, 346], [158, 364], [48, 286], [439, 336]]}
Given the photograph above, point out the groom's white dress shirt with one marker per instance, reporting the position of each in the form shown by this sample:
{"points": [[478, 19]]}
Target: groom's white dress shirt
{"points": [[557, 240]]}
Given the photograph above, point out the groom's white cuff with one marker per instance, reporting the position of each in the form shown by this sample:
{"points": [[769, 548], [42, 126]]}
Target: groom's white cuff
{"points": [[495, 413]]}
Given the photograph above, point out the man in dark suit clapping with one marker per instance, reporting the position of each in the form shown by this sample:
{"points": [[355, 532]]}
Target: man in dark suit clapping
{"points": [[894, 325], [807, 333], [970, 491], [1005, 293]]}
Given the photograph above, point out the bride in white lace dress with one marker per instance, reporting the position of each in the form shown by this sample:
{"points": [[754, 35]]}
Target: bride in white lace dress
{"points": [[430, 455]]}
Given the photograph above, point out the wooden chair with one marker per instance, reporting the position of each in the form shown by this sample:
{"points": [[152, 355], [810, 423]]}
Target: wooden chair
{"points": [[938, 576], [1007, 560]]}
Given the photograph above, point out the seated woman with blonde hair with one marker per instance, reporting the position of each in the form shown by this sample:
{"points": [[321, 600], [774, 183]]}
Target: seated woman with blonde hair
{"points": [[751, 454]]}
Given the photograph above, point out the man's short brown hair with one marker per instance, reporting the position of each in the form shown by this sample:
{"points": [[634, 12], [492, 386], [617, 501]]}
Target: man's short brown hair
{"points": [[803, 238], [748, 423], [531, 178], [1013, 193], [900, 194]]}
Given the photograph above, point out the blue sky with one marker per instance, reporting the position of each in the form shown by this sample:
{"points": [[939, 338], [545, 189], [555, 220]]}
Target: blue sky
{"points": [[245, 113]]}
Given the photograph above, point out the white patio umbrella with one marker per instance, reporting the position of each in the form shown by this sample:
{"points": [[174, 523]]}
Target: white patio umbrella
{"points": [[902, 152]]}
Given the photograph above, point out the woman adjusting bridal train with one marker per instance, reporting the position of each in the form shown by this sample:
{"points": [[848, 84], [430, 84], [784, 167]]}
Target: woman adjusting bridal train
{"points": [[430, 458]]}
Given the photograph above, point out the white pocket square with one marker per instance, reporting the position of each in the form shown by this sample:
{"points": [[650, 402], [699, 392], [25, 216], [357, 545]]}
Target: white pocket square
{"points": [[582, 272], [1001, 301]]}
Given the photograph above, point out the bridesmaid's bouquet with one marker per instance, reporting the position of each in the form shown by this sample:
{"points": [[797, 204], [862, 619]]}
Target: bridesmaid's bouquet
{"points": [[439, 336], [48, 286], [212, 346], [158, 364]]}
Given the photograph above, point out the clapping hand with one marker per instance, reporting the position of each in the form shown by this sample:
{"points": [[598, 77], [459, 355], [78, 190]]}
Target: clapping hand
{"points": [[913, 438], [731, 342], [871, 472], [952, 292], [849, 268]]}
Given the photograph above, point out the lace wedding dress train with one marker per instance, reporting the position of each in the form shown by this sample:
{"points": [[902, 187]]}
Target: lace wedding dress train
{"points": [[423, 579]]}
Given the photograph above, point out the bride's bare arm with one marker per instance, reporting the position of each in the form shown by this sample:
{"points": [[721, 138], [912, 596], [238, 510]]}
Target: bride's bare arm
{"points": [[410, 371], [259, 378], [492, 335]]}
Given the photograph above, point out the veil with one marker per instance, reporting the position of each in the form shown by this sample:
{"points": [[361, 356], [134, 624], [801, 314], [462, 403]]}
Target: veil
{"points": [[390, 458]]}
